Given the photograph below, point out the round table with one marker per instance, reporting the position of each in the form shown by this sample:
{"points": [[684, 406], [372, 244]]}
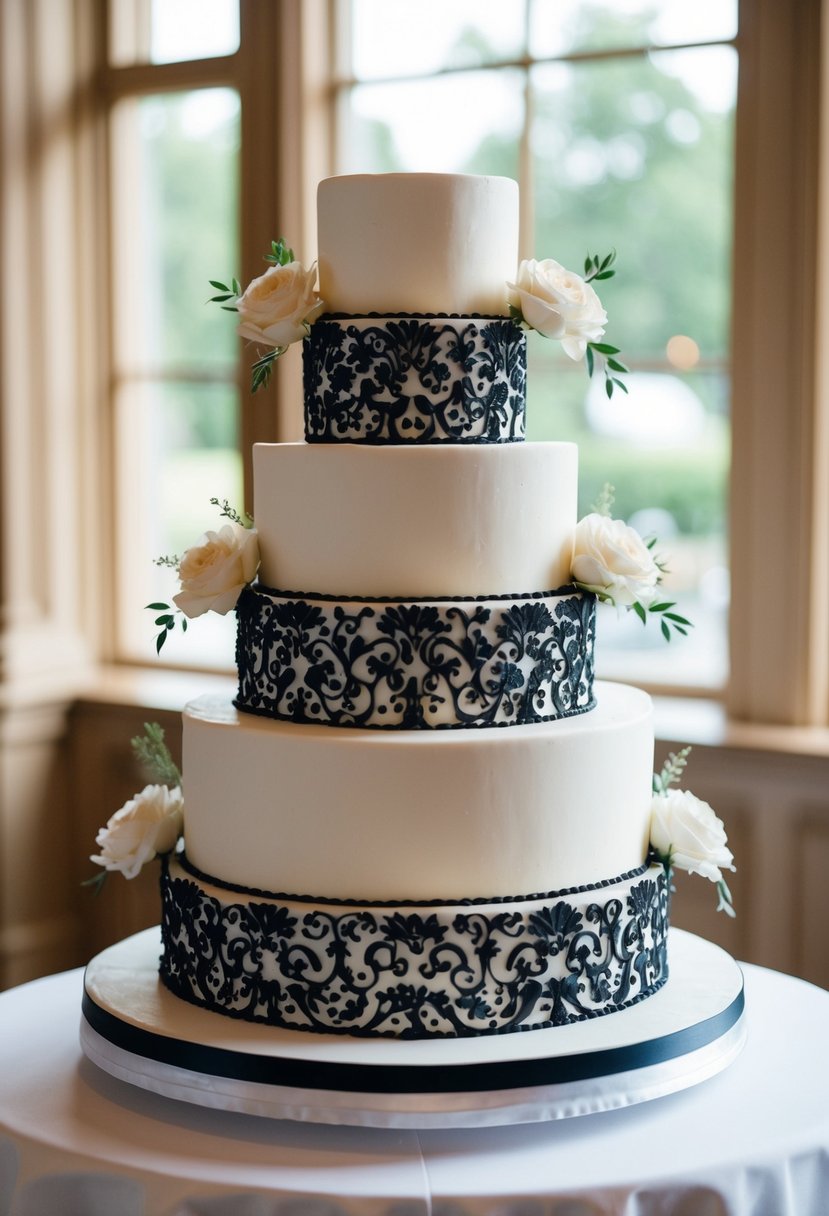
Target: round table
{"points": [[752, 1141]]}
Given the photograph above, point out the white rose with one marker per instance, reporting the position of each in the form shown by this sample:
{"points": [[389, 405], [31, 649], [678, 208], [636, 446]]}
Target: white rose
{"points": [[149, 824], [214, 571], [686, 830], [611, 559], [558, 304], [275, 309]]}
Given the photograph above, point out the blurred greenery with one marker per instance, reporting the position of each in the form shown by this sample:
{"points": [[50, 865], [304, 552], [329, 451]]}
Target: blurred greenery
{"points": [[190, 146], [626, 155]]}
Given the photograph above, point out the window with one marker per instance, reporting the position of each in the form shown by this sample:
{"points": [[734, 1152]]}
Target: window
{"points": [[618, 121], [174, 157]]}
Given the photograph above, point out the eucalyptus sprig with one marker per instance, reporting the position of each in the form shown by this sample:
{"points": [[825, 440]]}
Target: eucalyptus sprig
{"points": [[152, 752], [671, 771], [596, 269], [604, 503], [281, 253], [725, 902], [229, 512], [663, 608], [227, 292], [166, 622], [260, 372]]}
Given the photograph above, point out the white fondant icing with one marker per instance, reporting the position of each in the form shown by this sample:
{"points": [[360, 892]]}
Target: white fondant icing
{"points": [[353, 814], [425, 242], [412, 522]]}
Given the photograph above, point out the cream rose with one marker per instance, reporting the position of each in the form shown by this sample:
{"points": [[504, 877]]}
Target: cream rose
{"points": [[611, 559], [149, 824], [686, 831], [275, 309], [558, 304], [214, 571]]}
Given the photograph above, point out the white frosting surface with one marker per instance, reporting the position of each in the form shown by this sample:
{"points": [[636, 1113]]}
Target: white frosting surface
{"points": [[408, 522], [353, 814], [425, 242]]}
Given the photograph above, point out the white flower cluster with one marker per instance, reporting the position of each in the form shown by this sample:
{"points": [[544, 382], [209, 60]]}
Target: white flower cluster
{"points": [[611, 559], [558, 303], [213, 572], [687, 834], [276, 308], [147, 825]]}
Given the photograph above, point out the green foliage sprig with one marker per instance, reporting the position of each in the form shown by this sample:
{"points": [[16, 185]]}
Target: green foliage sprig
{"points": [[227, 292], [604, 503], [229, 512], [153, 753], [281, 253], [664, 608], [671, 772], [166, 621], [260, 371], [596, 269]]}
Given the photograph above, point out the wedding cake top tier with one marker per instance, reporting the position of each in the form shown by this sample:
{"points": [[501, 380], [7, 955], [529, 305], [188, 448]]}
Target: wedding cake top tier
{"points": [[417, 243]]}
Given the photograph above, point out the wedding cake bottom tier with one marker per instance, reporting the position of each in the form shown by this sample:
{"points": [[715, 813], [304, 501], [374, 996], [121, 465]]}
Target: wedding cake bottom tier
{"points": [[417, 970]]}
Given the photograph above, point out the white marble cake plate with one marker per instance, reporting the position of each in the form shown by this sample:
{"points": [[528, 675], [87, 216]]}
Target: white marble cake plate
{"points": [[134, 1029]]}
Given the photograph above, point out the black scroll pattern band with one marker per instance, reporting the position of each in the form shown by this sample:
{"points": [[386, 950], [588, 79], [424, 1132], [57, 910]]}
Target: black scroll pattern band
{"points": [[414, 379], [411, 972], [415, 665]]}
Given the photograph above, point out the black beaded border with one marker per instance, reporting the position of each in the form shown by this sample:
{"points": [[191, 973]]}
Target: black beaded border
{"points": [[478, 901]]}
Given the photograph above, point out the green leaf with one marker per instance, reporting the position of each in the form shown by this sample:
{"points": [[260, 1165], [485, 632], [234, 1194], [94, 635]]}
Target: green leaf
{"points": [[616, 366], [620, 384], [221, 299], [662, 607], [604, 274], [96, 882], [608, 387], [604, 348], [158, 607], [640, 612], [160, 640], [237, 289], [219, 286], [588, 354], [151, 751]]}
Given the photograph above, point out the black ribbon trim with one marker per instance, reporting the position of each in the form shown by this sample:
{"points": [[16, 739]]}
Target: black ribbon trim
{"points": [[405, 1078]]}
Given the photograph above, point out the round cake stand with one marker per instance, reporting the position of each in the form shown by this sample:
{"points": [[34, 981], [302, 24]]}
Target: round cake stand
{"points": [[136, 1030]]}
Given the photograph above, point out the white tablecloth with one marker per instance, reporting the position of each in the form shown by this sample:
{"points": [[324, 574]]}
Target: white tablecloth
{"points": [[753, 1141]]}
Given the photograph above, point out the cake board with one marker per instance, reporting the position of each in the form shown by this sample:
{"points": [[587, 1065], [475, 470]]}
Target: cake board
{"points": [[134, 1029]]}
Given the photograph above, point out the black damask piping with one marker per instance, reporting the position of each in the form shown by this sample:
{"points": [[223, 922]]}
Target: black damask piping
{"points": [[414, 379], [415, 975], [259, 893], [191, 998], [415, 665]]}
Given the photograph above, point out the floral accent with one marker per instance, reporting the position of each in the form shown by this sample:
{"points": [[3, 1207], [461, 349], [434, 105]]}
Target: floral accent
{"points": [[417, 971], [275, 309], [146, 826], [212, 573], [686, 832], [613, 561], [558, 303]]}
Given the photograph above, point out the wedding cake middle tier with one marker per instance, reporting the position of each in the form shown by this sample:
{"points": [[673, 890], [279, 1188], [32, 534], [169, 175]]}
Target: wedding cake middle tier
{"points": [[419, 815]]}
